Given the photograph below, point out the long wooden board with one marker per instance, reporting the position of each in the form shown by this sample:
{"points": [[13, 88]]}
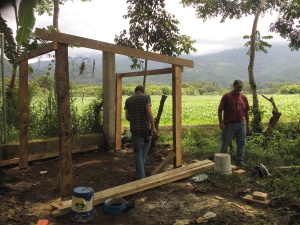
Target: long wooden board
{"points": [[103, 46], [37, 52], [46, 155], [143, 184]]}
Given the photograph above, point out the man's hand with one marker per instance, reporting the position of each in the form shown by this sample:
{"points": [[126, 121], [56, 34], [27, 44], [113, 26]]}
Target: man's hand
{"points": [[154, 131], [221, 125]]}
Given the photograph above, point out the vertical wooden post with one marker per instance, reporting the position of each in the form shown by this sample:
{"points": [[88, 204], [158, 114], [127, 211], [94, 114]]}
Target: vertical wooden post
{"points": [[23, 92], [177, 129], [64, 121], [109, 97], [119, 112]]}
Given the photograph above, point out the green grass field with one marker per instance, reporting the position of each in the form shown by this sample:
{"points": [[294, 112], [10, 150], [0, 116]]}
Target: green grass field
{"points": [[203, 109]]}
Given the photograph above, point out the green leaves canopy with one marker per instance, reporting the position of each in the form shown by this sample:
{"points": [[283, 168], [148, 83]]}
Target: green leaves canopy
{"points": [[287, 23], [154, 30], [26, 20]]}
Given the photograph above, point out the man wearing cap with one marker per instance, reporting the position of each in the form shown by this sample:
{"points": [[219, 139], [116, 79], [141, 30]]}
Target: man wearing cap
{"points": [[139, 114], [233, 112]]}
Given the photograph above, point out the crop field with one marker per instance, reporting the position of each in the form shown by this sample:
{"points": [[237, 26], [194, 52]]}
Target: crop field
{"points": [[201, 110]]}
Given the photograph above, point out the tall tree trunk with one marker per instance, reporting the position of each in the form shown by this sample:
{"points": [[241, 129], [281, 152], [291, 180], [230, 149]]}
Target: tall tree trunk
{"points": [[55, 13], [272, 122], [145, 76], [156, 122], [256, 127]]}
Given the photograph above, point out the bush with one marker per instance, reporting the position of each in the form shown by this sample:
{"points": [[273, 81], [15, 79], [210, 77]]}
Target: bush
{"points": [[290, 89]]}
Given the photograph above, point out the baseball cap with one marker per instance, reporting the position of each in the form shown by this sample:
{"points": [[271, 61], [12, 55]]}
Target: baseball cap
{"points": [[238, 83]]}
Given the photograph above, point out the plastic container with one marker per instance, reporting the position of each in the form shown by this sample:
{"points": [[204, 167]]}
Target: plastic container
{"points": [[114, 205], [222, 163], [82, 209]]}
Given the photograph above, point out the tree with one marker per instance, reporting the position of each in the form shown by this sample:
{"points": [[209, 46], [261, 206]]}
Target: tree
{"points": [[286, 23], [154, 30], [206, 9]]}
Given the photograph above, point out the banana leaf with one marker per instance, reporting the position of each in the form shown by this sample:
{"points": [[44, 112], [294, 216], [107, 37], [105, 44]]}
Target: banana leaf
{"points": [[26, 20]]}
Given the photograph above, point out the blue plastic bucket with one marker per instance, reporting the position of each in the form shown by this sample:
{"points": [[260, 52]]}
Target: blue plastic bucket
{"points": [[114, 205], [82, 209]]}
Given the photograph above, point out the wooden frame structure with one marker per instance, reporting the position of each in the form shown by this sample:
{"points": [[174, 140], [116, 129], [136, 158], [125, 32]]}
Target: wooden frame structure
{"points": [[60, 45]]}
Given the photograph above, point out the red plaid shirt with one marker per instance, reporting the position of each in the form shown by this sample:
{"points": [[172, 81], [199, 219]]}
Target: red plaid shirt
{"points": [[234, 106]]}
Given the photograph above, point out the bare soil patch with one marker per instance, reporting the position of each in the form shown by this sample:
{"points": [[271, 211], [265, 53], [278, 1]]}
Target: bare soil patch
{"points": [[26, 194]]}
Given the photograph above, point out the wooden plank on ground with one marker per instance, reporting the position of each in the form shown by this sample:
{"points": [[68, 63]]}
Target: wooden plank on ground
{"points": [[143, 184], [46, 156], [165, 162]]}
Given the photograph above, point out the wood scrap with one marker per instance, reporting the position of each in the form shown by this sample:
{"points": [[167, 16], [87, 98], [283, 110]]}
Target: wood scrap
{"points": [[143, 184], [287, 167], [249, 198], [165, 162], [46, 155], [240, 171], [260, 196]]}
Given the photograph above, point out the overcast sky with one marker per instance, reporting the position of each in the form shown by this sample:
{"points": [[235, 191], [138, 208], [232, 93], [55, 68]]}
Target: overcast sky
{"points": [[102, 20]]}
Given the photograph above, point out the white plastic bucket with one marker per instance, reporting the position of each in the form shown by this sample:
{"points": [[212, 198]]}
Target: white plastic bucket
{"points": [[222, 163]]}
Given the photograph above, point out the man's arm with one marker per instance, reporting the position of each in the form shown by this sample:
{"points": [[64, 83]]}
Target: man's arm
{"points": [[220, 117], [151, 119], [247, 121], [127, 115]]}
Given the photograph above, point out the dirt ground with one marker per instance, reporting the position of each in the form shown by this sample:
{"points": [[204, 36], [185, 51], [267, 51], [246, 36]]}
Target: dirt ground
{"points": [[26, 194]]}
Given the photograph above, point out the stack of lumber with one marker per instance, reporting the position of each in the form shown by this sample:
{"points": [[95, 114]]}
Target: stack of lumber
{"points": [[143, 184]]}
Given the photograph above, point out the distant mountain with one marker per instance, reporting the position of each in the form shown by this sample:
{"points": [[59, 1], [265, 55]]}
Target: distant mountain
{"points": [[280, 64]]}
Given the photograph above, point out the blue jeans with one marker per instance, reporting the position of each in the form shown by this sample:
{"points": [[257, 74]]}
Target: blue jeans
{"points": [[141, 141], [237, 130]]}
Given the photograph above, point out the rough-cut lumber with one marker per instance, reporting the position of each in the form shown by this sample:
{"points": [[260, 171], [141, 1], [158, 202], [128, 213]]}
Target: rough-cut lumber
{"points": [[46, 156], [287, 167], [143, 184], [260, 196], [250, 198], [119, 113], [165, 162], [103, 46], [148, 72], [177, 109], [64, 120], [37, 52], [24, 115]]}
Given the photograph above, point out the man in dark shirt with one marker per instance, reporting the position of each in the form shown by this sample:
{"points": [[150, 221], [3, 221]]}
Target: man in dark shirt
{"points": [[233, 111], [139, 114]]}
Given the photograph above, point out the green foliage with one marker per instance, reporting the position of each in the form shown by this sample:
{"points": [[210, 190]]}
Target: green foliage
{"points": [[260, 45], [9, 42], [286, 23], [290, 89], [153, 29], [26, 20]]}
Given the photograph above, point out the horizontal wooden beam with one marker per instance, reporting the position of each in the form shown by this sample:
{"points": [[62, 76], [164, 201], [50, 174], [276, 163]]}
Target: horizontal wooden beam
{"points": [[148, 72], [143, 184], [103, 46], [46, 155], [37, 52]]}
